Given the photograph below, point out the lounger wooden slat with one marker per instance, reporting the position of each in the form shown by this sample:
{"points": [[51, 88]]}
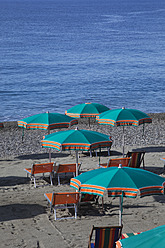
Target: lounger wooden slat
{"points": [[63, 200], [65, 168], [116, 161], [40, 169]]}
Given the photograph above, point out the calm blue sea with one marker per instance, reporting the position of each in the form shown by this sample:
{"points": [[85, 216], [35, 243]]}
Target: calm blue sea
{"points": [[55, 54]]}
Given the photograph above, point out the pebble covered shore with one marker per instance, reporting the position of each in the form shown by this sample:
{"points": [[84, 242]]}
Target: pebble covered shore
{"points": [[11, 144]]}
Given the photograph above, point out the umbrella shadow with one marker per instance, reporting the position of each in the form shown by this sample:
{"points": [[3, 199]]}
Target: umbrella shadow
{"points": [[103, 153], [20, 211], [159, 198], [64, 179], [90, 209], [41, 156], [156, 170], [151, 149], [13, 181]]}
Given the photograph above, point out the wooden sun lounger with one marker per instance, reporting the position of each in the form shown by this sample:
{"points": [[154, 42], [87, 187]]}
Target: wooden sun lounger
{"points": [[65, 168], [40, 168], [116, 161], [137, 158], [62, 201]]}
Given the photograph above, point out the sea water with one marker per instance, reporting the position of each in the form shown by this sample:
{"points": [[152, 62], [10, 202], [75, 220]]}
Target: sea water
{"points": [[55, 54]]}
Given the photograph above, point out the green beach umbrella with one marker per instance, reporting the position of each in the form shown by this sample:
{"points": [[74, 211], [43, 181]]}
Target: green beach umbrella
{"points": [[123, 117], [86, 110], [119, 182], [78, 140], [154, 238], [47, 121]]}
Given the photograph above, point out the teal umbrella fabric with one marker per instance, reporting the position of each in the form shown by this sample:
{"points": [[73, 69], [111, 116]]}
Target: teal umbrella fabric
{"points": [[119, 182], [47, 121], [154, 238], [86, 110], [78, 140], [123, 117]]}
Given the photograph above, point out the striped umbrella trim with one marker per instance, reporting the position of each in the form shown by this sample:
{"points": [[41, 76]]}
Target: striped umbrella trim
{"points": [[85, 115], [149, 120], [54, 146], [74, 185], [87, 190], [124, 122], [76, 182], [120, 193], [46, 126], [153, 190], [127, 192], [92, 191], [75, 146], [88, 186]]}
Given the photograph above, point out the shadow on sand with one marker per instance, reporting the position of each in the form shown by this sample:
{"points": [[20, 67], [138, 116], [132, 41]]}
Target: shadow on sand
{"points": [[20, 211], [13, 181], [151, 149], [42, 156]]}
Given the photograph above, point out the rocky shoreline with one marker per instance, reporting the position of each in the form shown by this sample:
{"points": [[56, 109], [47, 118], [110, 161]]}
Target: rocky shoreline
{"points": [[11, 144]]}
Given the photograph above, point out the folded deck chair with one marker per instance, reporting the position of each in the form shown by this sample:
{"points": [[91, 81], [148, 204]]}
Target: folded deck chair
{"points": [[65, 168], [105, 237], [116, 161], [136, 159], [40, 169], [62, 201]]}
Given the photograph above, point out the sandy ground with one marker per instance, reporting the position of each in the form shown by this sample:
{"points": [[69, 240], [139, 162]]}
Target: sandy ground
{"points": [[26, 220]]}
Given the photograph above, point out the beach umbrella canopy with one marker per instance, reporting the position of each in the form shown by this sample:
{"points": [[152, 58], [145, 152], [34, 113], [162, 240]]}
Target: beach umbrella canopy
{"points": [[78, 140], [123, 117], [47, 121], [119, 182], [154, 238], [86, 110]]}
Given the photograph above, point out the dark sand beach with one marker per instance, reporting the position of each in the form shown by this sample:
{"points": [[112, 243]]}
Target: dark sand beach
{"points": [[25, 219]]}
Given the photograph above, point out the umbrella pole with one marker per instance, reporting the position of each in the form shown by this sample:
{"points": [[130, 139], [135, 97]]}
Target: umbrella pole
{"points": [[50, 155], [99, 155], [22, 133], [120, 212], [123, 141], [49, 149], [76, 163], [120, 209]]}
